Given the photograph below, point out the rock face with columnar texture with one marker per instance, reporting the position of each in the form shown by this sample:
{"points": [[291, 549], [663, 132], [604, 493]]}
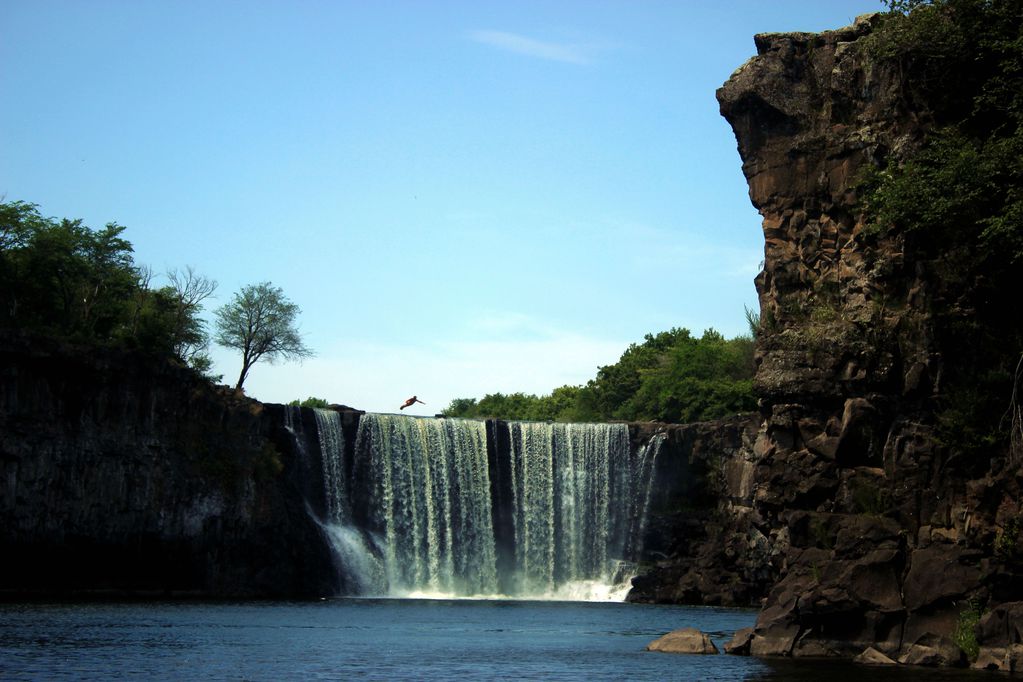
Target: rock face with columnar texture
{"points": [[882, 535], [124, 476], [702, 546]]}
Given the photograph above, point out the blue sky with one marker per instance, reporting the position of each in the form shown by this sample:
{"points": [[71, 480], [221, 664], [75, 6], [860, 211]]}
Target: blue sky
{"points": [[462, 197]]}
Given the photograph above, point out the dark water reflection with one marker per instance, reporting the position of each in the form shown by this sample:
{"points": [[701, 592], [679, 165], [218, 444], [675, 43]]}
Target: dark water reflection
{"points": [[384, 640]]}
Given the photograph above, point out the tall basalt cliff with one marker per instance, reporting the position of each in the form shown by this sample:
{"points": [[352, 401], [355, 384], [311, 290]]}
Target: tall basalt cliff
{"points": [[883, 535], [128, 476]]}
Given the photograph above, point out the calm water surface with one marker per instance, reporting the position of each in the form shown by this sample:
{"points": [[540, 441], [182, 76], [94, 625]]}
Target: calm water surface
{"points": [[382, 639]]}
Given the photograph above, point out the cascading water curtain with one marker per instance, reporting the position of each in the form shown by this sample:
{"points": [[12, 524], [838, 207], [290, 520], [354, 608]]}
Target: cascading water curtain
{"points": [[332, 445], [415, 514], [644, 472], [571, 484], [428, 499], [358, 560]]}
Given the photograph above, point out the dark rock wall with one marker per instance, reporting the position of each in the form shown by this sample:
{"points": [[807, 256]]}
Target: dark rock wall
{"points": [[882, 535], [702, 544], [127, 476]]}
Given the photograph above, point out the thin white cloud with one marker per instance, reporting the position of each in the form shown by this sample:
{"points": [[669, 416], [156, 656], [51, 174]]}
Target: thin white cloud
{"points": [[512, 42], [681, 249]]}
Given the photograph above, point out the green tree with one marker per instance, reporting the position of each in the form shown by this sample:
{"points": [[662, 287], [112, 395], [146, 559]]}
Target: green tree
{"points": [[671, 377], [955, 201], [260, 322], [461, 407], [311, 402], [61, 276], [18, 222]]}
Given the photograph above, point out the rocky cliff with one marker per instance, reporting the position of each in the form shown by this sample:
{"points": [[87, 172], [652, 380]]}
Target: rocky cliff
{"points": [[884, 533], [124, 475], [703, 545]]}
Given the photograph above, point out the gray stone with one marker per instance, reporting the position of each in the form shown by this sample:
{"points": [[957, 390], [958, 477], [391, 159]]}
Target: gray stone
{"points": [[932, 650], [937, 572], [1002, 625], [739, 644], [990, 658], [776, 641], [1013, 661], [683, 641], [872, 656], [919, 654]]}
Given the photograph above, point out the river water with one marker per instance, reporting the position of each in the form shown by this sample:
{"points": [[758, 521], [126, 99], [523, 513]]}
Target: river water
{"points": [[382, 639]]}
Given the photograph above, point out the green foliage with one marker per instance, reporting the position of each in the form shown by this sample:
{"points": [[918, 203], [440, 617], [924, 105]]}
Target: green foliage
{"points": [[964, 635], [904, 6], [690, 380], [188, 290], [753, 320], [821, 533], [964, 184], [558, 406], [957, 190], [260, 322], [310, 402], [957, 201], [671, 377], [64, 279], [1007, 540], [267, 464], [867, 497]]}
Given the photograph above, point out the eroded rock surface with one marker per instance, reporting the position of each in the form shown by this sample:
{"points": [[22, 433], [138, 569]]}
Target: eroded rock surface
{"points": [[882, 536]]}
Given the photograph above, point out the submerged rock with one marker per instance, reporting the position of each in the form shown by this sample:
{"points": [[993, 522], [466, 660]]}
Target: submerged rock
{"points": [[684, 641]]}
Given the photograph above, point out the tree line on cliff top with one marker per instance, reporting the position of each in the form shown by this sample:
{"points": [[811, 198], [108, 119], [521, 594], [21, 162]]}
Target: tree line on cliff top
{"points": [[672, 376], [66, 280]]}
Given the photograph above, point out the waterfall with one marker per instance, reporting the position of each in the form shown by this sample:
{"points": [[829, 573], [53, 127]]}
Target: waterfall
{"points": [[572, 490], [428, 495], [332, 445], [644, 474], [437, 507], [356, 554]]}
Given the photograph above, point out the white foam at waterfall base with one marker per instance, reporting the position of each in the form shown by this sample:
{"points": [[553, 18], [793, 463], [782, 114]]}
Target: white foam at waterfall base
{"points": [[359, 560]]}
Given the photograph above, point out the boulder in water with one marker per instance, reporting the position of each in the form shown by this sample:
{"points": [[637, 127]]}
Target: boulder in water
{"points": [[740, 642], [684, 641], [872, 656]]}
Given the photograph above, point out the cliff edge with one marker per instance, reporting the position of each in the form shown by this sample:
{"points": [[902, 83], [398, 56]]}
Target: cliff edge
{"points": [[885, 535]]}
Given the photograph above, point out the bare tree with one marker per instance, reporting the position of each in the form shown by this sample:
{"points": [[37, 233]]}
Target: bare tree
{"points": [[190, 289]]}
